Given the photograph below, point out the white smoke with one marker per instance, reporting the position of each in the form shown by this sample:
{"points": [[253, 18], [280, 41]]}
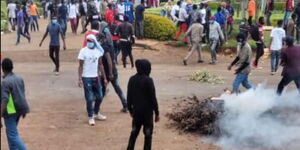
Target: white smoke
{"points": [[259, 119]]}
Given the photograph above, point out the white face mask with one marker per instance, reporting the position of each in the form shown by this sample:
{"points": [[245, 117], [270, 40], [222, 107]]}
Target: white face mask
{"points": [[91, 45]]}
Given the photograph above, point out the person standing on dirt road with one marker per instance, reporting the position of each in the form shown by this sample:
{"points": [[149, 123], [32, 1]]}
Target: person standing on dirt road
{"points": [[243, 61], [290, 60], [54, 29], [111, 71], [195, 32], [215, 35], [90, 63], [125, 32], [11, 11], [142, 103], [13, 104]]}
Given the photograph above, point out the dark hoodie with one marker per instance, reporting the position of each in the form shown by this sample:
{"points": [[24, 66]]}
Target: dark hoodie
{"points": [[141, 95]]}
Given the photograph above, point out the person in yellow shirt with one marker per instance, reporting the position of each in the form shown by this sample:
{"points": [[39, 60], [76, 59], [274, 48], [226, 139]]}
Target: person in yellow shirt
{"points": [[251, 10], [33, 16]]}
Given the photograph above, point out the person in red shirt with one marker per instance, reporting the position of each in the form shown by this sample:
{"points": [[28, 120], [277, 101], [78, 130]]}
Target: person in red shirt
{"points": [[289, 7], [93, 31], [109, 14]]}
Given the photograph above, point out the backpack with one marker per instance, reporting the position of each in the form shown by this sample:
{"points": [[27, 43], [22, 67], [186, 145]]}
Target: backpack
{"points": [[177, 13], [254, 32]]}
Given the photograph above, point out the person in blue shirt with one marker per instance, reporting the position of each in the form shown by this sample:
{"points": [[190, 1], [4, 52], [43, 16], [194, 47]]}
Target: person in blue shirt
{"points": [[129, 10], [62, 16], [54, 29], [221, 19], [20, 25]]}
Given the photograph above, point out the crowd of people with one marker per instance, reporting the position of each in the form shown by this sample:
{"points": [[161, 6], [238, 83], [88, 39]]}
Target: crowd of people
{"points": [[114, 27]]}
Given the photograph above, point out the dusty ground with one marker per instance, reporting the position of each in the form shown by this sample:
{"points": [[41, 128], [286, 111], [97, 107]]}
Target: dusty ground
{"points": [[58, 118]]}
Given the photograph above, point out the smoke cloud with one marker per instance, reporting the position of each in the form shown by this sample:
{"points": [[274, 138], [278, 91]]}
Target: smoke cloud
{"points": [[259, 119]]}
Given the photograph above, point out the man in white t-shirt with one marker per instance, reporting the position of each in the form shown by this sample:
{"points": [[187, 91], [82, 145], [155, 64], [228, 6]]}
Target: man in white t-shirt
{"points": [[90, 63], [277, 36], [11, 11]]}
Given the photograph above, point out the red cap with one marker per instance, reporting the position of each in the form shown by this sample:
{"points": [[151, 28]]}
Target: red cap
{"points": [[212, 18]]}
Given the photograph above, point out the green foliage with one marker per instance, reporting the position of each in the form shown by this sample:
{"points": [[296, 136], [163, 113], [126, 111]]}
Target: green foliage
{"points": [[4, 25], [279, 6], [3, 10], [157, 27]]}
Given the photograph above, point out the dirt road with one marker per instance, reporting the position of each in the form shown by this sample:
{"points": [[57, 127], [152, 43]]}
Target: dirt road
{"points": [[58, 118]]}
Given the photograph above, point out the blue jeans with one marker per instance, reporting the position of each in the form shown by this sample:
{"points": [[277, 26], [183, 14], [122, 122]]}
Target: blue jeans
{"points": [[63, 23], [214, 42], [241, 78], [32, 20], [19, 33], [287, 16], [13, 138], [275, 57], [92, 91]]}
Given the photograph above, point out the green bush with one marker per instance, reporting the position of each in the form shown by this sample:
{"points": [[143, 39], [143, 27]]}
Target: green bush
{"points": [[4, 25], [157, 27], [279, 6], [3, 10]]}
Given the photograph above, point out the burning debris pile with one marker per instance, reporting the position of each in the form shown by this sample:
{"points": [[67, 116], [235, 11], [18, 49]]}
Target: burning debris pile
{"points": [[195, 115], [206, 77]]}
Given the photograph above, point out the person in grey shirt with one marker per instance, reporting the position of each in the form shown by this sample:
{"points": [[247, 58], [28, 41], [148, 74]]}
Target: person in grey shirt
{"points": [[243, 61], [215, 35], [13, 104]]}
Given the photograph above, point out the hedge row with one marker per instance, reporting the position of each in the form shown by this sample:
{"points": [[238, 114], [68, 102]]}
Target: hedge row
{"points": [[157, 27], [4, 22]]}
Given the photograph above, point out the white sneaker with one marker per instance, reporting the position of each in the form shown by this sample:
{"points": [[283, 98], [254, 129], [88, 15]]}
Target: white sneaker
{"points": [[91, 122], [100, 117]]}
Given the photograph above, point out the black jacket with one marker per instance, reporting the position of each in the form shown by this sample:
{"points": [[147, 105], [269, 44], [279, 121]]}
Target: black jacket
{"points": [[141, 95]]}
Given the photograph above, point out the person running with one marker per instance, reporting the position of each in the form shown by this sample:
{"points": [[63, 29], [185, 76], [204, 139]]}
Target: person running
{"points": [[13, 104], [182, 17], [83, 13], [259, 41], [34, 15], [289, 7], [11, 11], [251, 11], [268, 11], [195, 32], [111, 71], [277, 36], [92, 16], [63, 17], [142, 103], [125, 32], [20, 25], [215, 35], [90, 62], [243, 62], [290, 60], [26, 21], [54, 29], [139, 20]]}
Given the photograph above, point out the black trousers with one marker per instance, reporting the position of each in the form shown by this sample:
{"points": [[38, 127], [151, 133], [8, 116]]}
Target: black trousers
{"points": [[259, 52], [285, 81], [126, 49], [54, 55], [250, 20], [137, 123]]}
